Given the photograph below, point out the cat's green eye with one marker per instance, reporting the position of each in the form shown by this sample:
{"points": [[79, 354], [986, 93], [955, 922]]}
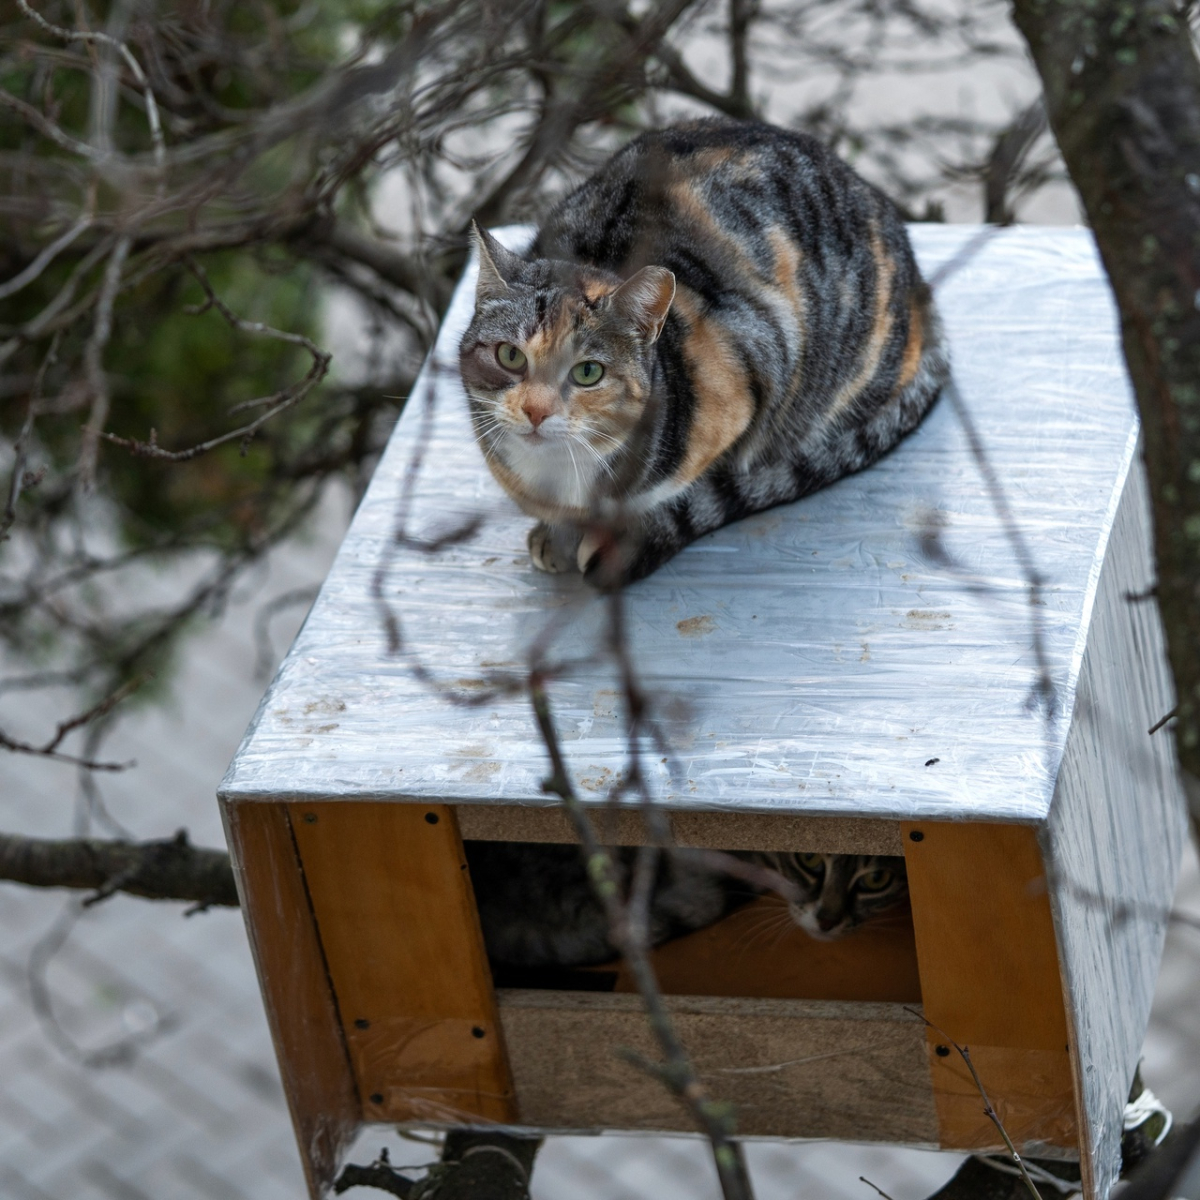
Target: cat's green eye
{"points": [[587, 373], [874, 881], [814, 862], [509, 357]]}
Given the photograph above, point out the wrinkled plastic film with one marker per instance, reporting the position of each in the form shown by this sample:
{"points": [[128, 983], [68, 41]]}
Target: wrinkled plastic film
{"points": [[868, 650]]}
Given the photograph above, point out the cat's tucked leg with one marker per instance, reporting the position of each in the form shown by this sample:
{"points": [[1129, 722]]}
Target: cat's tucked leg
{"points": [[552, 547], [609, 560]]}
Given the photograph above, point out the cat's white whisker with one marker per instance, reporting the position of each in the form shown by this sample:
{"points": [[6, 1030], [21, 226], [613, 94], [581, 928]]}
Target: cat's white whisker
{"points": [[773, 921], [600, 461]]}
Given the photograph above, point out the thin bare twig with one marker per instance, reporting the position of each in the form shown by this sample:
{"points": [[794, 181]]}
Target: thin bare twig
{"points": [[20, 478], [714, 1119], [93, 360], [45, 258], [988, 1110], [1163, 720], [50, 748], [864, 1179], [274, 404], [1044, 691], [103, 39]]}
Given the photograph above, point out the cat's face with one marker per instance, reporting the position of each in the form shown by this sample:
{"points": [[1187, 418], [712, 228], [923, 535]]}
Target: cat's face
{"points": [[841, 891], [556, 367]]}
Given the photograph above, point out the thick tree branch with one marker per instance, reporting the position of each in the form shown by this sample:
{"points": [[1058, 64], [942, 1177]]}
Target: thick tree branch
{"points": [[741, 15], [1003, 165], [390, 264], [1122, 86], [612, 81], [171, 869]]}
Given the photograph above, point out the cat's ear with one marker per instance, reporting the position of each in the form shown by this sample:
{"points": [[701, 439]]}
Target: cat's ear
{"points": [[645, 299], [498, 267]]}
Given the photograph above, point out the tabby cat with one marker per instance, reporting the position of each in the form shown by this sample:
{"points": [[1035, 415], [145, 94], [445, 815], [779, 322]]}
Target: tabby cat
{"points": [[538, 909], [723, 318]]}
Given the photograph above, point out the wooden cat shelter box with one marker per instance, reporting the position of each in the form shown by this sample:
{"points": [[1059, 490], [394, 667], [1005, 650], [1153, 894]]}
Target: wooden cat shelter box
{"points": [[854, 672]]}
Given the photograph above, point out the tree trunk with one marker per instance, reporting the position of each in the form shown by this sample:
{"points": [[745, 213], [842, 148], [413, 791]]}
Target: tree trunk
{"points": [[1122, 86]]}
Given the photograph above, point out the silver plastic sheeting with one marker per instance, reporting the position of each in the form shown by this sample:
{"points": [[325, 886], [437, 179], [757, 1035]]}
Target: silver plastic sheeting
{"points": [[869, 650], [1115, 834]]}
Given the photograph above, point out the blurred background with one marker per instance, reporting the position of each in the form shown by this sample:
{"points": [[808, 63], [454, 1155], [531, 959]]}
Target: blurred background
{"points": [[312, 168]]}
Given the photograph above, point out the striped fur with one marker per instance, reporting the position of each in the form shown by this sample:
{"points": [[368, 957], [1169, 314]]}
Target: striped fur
{"points": [[537, 907], [762, 326]]}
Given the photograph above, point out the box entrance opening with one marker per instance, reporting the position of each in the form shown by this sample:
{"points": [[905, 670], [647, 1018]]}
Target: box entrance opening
{"points": [[757, 951]]}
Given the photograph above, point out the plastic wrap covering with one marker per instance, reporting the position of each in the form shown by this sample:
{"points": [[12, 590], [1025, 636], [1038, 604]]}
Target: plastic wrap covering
{"points": [[1116, 832], [868, 650], [872, 651]]}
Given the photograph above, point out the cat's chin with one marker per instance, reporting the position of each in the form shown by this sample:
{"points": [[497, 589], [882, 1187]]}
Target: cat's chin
{"points": [[534, 441], [808, 923]]}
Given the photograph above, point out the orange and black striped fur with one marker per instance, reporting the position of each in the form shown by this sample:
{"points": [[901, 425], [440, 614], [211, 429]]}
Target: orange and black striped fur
{"points": [[723, 318]]}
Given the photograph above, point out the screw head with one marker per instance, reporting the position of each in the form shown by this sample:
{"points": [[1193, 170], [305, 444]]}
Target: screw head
{"points": [[361, 1023], [431, 818], [942, 1051], [916, 836], [376, 1097], [478, 1031], [310, 818]]}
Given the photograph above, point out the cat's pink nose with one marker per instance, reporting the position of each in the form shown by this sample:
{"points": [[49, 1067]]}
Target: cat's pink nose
{"points": [[535, 414]]}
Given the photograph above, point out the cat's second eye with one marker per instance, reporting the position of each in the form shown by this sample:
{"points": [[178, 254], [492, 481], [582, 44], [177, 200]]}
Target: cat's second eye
{"points": [[509, 357], [874, 881], [587, 373], [812, 862]]}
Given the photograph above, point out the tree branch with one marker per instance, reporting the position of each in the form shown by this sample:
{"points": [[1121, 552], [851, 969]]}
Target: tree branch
{"points": [[1122, 87], [171, 869]]}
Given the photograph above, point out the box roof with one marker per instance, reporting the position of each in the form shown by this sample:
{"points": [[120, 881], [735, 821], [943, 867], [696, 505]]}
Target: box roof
{"points": [[813, 659]]}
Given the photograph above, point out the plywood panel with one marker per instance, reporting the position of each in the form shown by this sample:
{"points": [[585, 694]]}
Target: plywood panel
{"points": [[393, 904], [791, 1068], [1032, 1090], [1115, 834], [301, 1011], [990, 980], [758, 951], [710, 830]]}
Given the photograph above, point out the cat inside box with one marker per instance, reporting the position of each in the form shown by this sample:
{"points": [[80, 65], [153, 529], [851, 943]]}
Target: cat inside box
{"points": [[544, 927]]}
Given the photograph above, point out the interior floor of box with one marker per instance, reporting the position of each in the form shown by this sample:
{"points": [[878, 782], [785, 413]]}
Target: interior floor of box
{"points": [[758, 951]]}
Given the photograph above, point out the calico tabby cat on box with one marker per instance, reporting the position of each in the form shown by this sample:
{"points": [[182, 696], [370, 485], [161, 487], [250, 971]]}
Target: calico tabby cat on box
{"points": [[723, 318]]}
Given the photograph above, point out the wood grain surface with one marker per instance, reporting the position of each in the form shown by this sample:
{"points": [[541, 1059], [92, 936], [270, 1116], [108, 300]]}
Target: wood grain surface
{"points": [[990, 981], [759, 952], [793, 1068], [396, 915], [301, 1010]]}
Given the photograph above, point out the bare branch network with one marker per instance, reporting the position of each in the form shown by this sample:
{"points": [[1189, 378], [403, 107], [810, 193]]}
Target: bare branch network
{"points": [[178, 187]]}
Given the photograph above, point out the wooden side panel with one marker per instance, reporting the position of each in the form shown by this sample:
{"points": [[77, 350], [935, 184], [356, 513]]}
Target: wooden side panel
{"points": [[990, 980], [299, 1000], [396, 915], [792, 1068]]}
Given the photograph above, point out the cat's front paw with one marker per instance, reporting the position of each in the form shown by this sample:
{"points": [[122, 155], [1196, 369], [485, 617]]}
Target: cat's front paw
{"points": [[605, 558], [552, 548]]}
